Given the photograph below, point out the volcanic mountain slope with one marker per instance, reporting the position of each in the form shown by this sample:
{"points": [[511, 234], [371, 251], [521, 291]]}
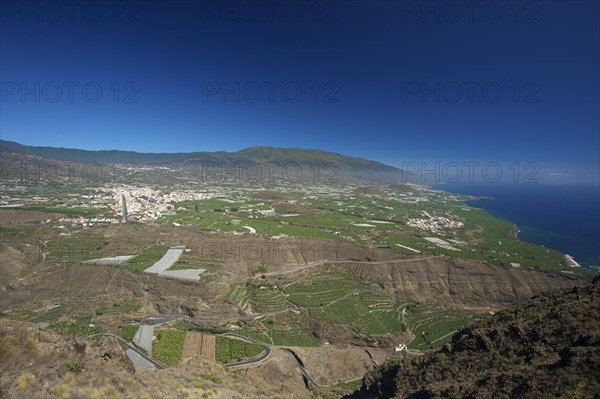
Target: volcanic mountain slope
{"points": [[327, 164], [463, 282], [547, 347]]}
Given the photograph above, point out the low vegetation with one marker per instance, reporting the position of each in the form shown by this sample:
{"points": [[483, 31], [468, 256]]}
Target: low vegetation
{"points": [[231, 350], [168, 347], [50, 315], [546, 347], [81, 326], [120, 306], [146, 259], [128, 331]]}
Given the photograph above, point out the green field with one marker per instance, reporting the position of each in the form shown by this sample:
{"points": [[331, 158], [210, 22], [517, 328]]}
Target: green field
{"points": [[433, 326], [50, 315], [72, 211], [74, 249], [231, 350], [128, 331], [334, 217], [238, 295], [120, 306], [265, 298], [146, 259], [286, 330], [282, 329], [339, 297], [80, 327], [188, 261], [168, 347]]}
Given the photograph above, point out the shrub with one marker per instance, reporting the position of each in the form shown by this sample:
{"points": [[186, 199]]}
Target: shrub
{"points": [[74, 366], [26, 381]]}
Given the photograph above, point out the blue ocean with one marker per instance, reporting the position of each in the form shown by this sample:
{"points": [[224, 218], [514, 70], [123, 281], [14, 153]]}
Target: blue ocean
{"points": [[563, 217]]}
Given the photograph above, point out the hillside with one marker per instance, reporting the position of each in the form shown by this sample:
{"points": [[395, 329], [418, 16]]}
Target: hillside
{"points": [[547, 347], [256, 154]]}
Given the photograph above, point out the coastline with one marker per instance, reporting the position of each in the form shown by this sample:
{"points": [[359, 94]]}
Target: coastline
{"points": [[557, 217]]}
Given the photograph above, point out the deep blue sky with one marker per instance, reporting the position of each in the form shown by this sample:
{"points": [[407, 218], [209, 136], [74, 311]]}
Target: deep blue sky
{"points": [[377, 56]]}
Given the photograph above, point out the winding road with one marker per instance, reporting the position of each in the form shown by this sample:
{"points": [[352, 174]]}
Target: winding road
{"points": [[308, 380], [293, 267], [253, 361]]}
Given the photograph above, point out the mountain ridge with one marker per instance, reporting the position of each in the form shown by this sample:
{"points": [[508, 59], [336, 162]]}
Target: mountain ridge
{"points": [[250, 154]]}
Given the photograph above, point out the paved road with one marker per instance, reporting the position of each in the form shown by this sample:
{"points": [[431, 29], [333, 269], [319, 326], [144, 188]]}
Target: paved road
{"points": [[158, 320], [292, 268], [308, 380]]}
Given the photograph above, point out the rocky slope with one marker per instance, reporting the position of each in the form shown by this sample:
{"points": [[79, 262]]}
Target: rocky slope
{"points": [[464, 282], [547, 347]]}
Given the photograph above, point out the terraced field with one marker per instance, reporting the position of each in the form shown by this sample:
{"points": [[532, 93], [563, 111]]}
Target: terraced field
{"points": [[266, 298], [433, 326], [284, 329], [50, 315], [238, 295], [338, 297], [119, 306]]}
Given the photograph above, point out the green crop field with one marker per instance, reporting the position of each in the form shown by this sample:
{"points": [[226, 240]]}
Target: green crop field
{"points": [[50, 315], [120, 306], [283, 329], [72, 211], [128, 331], [238, 295], [286, 330], [168, 347], [265, 298], [230, 350], [339, 297], [488, 237], [80, 327], [433, 326], [146, 259], [74, 249], [255, 335], [187, 261]]}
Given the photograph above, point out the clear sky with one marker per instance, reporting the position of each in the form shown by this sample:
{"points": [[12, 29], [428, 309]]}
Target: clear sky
{"points": [[394, 81]]}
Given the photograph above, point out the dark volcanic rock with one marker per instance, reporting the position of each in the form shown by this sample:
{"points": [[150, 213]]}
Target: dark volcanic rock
{"points": [[548, 347]]}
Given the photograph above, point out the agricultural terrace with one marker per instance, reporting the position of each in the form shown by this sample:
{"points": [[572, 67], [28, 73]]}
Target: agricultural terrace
{"points": [[432, 326], [339, 297], [232, 350]]}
